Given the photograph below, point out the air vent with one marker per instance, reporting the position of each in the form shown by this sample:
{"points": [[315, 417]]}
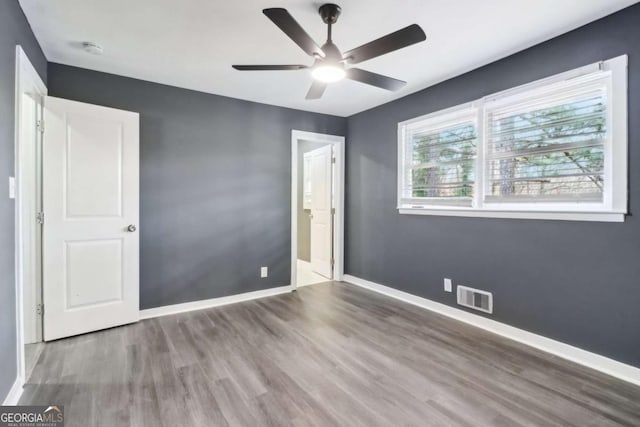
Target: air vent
{"points": [[476, 299]]}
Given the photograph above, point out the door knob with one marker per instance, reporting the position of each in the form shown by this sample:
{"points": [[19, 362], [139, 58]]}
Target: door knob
{"points": [[131, 228]]}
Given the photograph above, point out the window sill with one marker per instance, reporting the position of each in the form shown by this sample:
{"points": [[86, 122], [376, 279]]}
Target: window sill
{"points": [[558, 216]]}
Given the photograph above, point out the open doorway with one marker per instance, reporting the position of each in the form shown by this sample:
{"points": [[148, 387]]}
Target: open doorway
{"points": [[77, 271], [317, 208], [30, 91]]}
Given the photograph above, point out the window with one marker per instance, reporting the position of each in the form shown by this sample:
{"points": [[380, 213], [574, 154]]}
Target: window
{"points": [[440, 159], [553, 149]]}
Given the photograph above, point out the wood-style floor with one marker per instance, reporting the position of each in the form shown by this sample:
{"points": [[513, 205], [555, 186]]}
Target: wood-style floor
{"points": [[329, 354]]}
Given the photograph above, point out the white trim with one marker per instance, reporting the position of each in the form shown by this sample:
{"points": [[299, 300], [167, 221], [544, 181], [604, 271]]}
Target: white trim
{"points": [[26, 79], [577, 355], [444, 117], [544, 82], [618, 117], [168, 310], [13, 397], [474, 213], [338, 220]]}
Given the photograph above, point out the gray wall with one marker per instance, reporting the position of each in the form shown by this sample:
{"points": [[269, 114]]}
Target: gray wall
{"points": [[577, 282], [304, 222], [14, 29], [215, 184]]}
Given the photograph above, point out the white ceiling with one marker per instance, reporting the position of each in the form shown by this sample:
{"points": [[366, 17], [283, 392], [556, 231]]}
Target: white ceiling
{"points": [[192, 43]]}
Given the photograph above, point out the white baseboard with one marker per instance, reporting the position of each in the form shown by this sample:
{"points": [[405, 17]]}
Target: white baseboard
{"points": [[213, 302], [583, 357], [14, 393]]}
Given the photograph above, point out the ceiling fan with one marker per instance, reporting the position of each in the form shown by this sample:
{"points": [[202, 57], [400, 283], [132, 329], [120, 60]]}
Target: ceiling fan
{"points": [[330, 64]]}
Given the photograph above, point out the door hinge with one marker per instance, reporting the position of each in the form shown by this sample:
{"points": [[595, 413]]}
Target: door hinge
{"points": [[40, 309], [40, 217], [40, 126], [333, 211], [333, 160]]}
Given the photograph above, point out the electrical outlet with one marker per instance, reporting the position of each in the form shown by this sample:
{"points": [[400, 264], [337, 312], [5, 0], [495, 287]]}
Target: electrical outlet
{"points": [[264, 272], [447, 285], [12, 187]]}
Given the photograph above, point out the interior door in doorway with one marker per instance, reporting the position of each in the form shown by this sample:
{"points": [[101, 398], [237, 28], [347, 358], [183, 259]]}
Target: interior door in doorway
{"points": [[91, 211], [321, 211]]}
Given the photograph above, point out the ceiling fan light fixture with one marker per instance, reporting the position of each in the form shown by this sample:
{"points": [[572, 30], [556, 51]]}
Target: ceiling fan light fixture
{"points": [[328, 73]]}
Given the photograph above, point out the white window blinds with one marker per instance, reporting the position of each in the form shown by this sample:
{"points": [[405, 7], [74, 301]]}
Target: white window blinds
{"points": [[440, 158], [551, 149], [548, 146]]}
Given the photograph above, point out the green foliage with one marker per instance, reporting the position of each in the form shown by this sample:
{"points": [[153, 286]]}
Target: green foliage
{"points": [[555, 150], [559, 150], [444, 162]]}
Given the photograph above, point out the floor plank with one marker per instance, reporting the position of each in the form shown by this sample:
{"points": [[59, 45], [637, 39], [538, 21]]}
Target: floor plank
{"points": [[328, 354]]}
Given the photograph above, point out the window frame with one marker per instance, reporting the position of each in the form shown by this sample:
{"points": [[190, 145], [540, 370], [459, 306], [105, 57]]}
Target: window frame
{"points": [[455, 115], [614, 205]]}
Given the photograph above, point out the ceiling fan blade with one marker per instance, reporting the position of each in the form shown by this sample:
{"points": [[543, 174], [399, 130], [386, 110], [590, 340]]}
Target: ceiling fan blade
{"points": [[374, 79], [402, 38], [290, 27], [269, 67], [316, 90]]}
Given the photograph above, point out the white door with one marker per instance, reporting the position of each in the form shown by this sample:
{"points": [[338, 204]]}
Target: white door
{"points": [[321, 211], [90, 204]]}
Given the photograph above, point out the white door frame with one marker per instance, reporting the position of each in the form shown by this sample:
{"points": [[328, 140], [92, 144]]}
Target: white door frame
{"points": [[338, 218], [27, 81]]}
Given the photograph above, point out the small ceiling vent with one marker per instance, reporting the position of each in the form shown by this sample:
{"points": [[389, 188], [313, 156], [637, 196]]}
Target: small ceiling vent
{"points": [[476, 299]]}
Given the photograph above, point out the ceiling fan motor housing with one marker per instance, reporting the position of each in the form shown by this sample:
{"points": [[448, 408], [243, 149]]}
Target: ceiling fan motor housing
{"points": [[331, 52], [329, 13]]}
